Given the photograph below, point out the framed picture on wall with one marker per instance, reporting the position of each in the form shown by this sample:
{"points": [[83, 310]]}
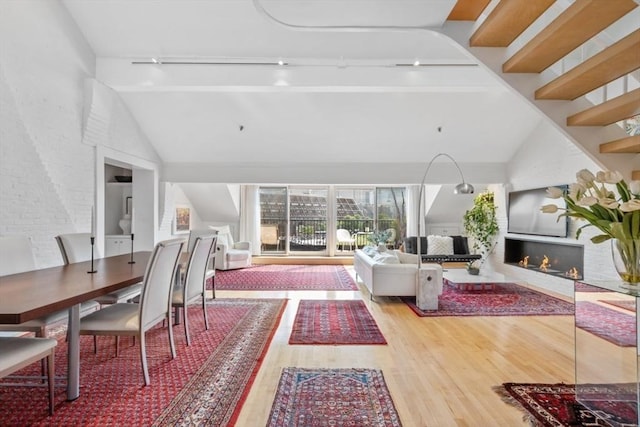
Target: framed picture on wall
{"points": [[182, 220]]}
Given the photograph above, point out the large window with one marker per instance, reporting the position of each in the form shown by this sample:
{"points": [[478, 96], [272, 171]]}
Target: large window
{"points": [[306, 219]]}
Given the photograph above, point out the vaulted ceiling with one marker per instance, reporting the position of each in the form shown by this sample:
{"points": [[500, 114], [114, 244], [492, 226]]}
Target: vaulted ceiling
{"points": [[202, 79]]}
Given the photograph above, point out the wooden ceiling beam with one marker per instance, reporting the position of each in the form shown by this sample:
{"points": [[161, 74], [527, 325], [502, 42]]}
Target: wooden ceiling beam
{"points": [[630, 144], [467, 10], [574, 26], [611, 111], [507, 21], [619, 59]]}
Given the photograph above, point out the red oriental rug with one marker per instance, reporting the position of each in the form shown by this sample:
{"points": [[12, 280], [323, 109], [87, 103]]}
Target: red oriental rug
{"points": [[286, 278], [328, 397], [612, 325], [555, 405], [334, 322], [206, 384], [506, 299]]}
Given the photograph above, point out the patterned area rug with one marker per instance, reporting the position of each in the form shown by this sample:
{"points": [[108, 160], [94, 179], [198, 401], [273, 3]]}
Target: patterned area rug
{"points": [[332, 397], [286, 278], [612, 325], [334, 322], [555, 405], [507, 299], [583, 287], [206, 384]]}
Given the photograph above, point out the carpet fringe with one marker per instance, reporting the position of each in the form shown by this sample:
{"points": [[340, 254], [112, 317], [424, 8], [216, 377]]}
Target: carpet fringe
{"points": [[507, 398]]}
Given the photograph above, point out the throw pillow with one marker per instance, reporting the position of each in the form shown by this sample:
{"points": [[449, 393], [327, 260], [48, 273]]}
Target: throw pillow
{"points": [[406, 258], [439, 245], [386, 258]]}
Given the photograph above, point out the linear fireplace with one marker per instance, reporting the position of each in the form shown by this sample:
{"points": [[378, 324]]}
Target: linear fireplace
{"points": [[564, 260]]}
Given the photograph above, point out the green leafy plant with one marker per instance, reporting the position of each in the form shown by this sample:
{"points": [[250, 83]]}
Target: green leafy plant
{"points": [[378, 236], [481, 225]]}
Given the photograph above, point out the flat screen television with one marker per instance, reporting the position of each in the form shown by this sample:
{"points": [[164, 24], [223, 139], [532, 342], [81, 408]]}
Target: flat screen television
{"points": [[525, 216]]}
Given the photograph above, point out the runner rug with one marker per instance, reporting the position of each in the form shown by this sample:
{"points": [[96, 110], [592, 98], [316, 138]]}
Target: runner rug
{"points": [[333, 397], [625, 304], [555, 405], [334, 322], [286, 277], [206, 384], [506, 299], [612, 325]]}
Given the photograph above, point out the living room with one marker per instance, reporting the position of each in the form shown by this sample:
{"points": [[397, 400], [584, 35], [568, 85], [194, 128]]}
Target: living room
{"points": [[72, 103]]}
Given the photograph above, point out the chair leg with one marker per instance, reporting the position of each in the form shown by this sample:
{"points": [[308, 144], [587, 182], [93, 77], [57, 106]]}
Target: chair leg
{"points": [[204, 311], [43, 364], [171, 343], [143, 359], [51, 378], [117, 344], [185, 319], [213, 287], [95, 344]]}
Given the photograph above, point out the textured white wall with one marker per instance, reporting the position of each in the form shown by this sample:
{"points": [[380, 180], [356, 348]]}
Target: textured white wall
{"points": [[47, 173], [547, 159]]}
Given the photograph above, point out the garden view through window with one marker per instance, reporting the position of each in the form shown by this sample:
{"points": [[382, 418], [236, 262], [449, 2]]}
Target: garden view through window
{"points": [[306, 220]]}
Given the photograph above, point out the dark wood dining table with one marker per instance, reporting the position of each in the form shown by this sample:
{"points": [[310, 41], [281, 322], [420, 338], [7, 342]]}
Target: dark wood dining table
{"points": [[29, 295]]}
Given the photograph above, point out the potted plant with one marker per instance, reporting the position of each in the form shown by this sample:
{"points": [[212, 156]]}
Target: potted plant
{"points": [[378, 236], [481, 225]]}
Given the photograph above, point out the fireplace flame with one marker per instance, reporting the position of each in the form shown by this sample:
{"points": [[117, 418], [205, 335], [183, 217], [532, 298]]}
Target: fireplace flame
{"points": [[544, 266], [524, 262], [573, 273]]}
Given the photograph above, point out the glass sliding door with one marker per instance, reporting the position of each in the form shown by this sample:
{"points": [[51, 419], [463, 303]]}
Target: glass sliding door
{"points": [[355, 212], [391, 213], [273, 220], [308, 220]]}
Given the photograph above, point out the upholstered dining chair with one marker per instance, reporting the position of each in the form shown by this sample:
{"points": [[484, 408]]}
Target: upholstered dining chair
{"points": [[210, 274], [344, 238], [76, 247], [193, 286], [130, 319], [18, 352], [16, 256]]}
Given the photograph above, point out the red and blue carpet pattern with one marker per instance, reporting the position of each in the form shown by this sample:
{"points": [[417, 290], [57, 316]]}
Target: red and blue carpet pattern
{"points": [[555, 405], [506, 299], [206, 384], [614, 326], [333, 397], [286, 278], [334, 322]]}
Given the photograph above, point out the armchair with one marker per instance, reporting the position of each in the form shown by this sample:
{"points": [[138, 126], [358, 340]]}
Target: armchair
{"points": [[230, 254]]}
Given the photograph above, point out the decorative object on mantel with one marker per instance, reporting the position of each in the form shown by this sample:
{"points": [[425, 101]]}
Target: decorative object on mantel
{"points": [[617, 216], [480, 223], [122, 178]]}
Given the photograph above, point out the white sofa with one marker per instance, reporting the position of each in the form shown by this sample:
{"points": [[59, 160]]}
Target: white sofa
{"points": [[389, 273], [230, 254]]}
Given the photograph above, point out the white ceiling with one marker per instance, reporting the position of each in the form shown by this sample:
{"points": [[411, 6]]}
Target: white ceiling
{"points": [[341, 98]]}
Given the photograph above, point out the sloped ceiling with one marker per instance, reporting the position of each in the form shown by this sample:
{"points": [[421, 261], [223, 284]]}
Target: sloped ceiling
{"points": [[341, 104]]}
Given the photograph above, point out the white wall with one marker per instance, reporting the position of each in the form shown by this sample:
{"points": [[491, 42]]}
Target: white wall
{"points": [[547, 159], [48, 173]]}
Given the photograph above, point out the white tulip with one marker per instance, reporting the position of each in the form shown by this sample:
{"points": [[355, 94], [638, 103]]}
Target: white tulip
{"points": [[587, 201], [608, 203], [549, 208], [555, 192], [634, 187], [630, 206], [609, 177], [584, 176]]}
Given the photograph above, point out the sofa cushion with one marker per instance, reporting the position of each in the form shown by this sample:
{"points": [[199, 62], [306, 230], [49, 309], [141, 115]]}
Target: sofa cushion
{"points": [[237, 255], [411, 245], [439, 245], [386, 258], [406, 258], [460, 245]]}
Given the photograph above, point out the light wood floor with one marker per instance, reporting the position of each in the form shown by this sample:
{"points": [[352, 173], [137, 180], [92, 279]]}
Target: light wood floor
{"points": [[439, 371]]}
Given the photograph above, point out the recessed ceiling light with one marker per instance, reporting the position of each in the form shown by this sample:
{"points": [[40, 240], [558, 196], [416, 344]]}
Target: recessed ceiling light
{"points": [[416, 63], [154, 60], [280, 62]]}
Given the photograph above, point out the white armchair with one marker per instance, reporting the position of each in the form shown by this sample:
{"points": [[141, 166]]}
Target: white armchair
{"points": [[230, 254]]}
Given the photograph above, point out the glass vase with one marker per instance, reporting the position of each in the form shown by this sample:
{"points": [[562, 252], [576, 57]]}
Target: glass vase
{"points": [[626, 259]]}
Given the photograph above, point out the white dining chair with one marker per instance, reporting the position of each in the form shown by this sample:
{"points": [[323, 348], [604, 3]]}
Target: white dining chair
{"points": [[210, 274], [130, 319], [343, 237], [76, 247], [193, 286], [18, 352]]}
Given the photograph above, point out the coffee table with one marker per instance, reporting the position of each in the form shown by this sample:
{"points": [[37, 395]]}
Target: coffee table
{"points": [[461, 279]]}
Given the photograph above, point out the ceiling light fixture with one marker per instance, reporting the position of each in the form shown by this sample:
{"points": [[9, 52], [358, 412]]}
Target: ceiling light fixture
{"points": [[416, 63]]}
